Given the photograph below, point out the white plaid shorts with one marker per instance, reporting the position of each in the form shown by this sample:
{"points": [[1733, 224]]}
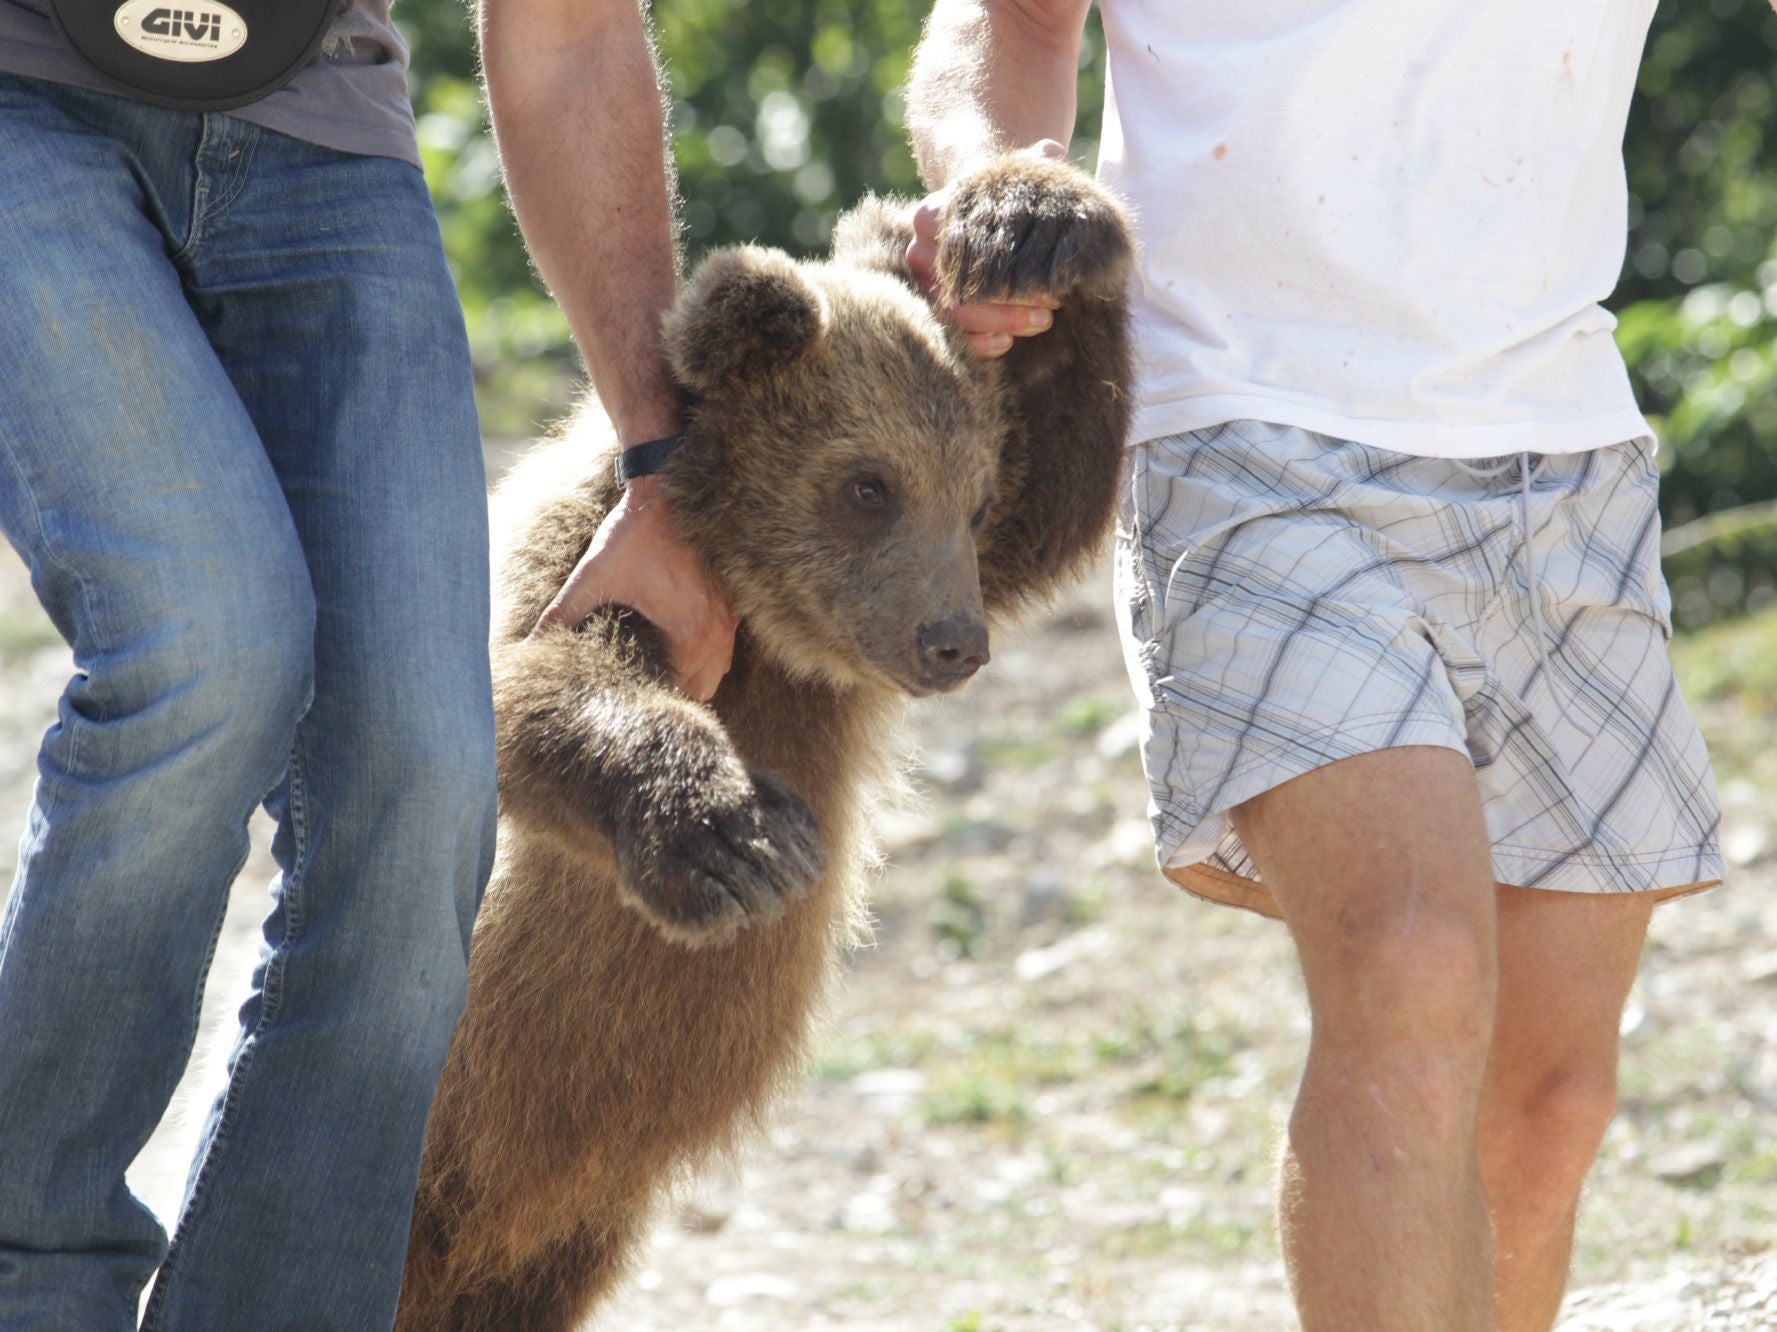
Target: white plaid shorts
{"points": [[1288, 600]]}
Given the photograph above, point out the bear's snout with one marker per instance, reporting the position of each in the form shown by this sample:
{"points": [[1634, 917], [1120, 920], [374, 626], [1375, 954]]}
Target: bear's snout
{"points": [[950, 651]]}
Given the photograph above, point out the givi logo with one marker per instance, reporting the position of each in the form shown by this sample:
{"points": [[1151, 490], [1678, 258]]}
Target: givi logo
{"points": [[188, 30]]}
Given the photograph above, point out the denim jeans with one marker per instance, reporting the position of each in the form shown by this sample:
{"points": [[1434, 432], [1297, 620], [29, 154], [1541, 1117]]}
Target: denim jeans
{"points": [[239, 455]]}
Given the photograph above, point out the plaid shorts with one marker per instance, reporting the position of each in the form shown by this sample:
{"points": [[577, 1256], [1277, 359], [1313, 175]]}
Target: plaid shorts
{"points": [[1288, 600]]}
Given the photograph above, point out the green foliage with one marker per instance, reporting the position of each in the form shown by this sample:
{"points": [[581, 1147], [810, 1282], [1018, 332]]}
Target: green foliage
{"points": [[1722, 565], [785, 111], [1698, 300]]}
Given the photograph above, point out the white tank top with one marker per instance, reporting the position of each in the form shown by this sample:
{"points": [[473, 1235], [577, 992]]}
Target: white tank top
{"points": [[1386, 220]]}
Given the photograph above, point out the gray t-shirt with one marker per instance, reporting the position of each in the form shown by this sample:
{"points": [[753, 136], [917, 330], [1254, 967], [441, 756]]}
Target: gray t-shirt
{"points": [[352, 97]]}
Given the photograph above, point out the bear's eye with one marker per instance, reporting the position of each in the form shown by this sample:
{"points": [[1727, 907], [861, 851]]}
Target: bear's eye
{"points": [[869, 493], [980, 517]]}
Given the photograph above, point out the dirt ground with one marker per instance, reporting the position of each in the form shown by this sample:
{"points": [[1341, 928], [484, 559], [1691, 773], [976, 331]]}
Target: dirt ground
{"points": [[1048, 1096]]}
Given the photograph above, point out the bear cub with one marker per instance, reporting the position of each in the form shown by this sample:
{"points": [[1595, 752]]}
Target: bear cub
{"points": [[674, 879]]}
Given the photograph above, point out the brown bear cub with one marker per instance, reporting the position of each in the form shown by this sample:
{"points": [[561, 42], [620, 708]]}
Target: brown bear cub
{"points": [[675, 880]]}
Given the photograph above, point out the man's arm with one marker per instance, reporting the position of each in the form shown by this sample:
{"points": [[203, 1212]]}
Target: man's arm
{"points": [[989, 76], [577, 113]]}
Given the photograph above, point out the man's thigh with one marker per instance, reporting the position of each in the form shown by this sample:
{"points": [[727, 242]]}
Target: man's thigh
{"points": [[1566, 962], [1381, 866], [131, 477], [324, 290]]}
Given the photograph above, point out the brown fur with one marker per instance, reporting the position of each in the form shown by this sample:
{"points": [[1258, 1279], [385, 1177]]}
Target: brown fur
{"points": [[622, 1025]]}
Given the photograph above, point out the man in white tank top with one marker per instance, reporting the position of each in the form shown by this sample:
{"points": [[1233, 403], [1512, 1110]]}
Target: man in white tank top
{"points": [[1389, 573]]}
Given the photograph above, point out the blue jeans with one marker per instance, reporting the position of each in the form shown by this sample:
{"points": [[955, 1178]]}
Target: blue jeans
{"points": [[239, 454]]}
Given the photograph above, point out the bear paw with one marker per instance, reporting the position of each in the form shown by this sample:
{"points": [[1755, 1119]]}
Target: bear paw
{"points": [[1026, 227], [702, 874]]}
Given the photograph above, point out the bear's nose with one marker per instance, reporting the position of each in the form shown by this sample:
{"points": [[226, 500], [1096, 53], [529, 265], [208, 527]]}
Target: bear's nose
{"points": [[952, 650]]}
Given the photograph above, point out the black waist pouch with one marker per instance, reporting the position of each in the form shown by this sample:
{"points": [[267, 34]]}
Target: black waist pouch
{"points": [[198, 55]]}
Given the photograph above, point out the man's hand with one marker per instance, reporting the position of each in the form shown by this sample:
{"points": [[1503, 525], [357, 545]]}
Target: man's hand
{"points": [[990, 325], [636, 559], [576, 102]]}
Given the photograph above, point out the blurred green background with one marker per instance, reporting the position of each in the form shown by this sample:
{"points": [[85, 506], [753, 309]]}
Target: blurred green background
{"points": [[786, 110]]}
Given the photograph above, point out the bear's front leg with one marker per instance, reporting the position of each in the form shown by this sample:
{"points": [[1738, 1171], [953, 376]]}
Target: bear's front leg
{"points": [[599, 754], [1016, 229]]}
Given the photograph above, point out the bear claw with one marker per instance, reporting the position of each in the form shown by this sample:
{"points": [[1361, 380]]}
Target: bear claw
{"points": [[1020, 229], [702, 878]]}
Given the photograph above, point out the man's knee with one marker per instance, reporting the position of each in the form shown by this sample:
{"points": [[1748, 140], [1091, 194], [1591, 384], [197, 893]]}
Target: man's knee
{"points": [[1404, 1012], [1410, 976], [1542, 1136], [219, 675], [416, 794]]}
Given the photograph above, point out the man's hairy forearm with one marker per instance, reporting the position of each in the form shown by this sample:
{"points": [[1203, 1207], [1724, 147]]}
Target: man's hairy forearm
{"points": [[992, 75], [577, 113]]}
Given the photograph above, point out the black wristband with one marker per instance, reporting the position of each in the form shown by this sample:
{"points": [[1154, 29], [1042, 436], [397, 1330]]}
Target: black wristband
{"points": [[646, 459]]}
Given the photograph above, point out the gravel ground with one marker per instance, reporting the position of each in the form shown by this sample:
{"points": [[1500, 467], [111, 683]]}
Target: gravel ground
{"points": [[1049, 1094]]}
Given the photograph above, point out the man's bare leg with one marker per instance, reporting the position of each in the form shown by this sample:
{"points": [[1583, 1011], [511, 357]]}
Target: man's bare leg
{"points": [[1382, 868], [1566, 961]]}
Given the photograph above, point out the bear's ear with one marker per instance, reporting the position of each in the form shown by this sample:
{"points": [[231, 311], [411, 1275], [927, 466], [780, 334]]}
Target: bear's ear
{"points": [[745, 311]]}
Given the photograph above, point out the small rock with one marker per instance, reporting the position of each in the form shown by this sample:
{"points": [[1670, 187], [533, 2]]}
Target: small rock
{"points": [[1079, 619], [889, 1082], [726, 1292], [905, 831], [707, 1206], [1129, 842], [955, 769], [696, 1219], [1760, 967], [872, 1210], [1688, 1163], [1036, 963], [979, 836], [1045, 896], [867, 1214], [1745, 843], [1122, 737]]}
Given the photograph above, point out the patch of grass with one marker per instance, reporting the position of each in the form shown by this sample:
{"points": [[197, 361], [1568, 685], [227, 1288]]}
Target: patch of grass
{"points": [[842, 1058], [1060, 1168], [976, 1098], [1668, 1067], [23, 632], [1021, 754], [1760, 1168], [1221, 1237], [966, 1322], [1735, 659], [959, 916], [1088, 714], [991, 1082], [1177, 1055], [1086, 905]]}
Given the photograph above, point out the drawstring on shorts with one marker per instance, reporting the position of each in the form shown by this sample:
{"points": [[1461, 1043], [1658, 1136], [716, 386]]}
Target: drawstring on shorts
{"points": [[1526, 464]]}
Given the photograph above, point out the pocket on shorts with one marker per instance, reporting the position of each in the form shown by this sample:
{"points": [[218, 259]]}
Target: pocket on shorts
{"points": [[1649, 581], [1132, 586], [1611, 529]]}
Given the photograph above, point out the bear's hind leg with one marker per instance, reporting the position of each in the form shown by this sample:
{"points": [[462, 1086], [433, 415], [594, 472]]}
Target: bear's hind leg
{"points": [[554, 1292]]}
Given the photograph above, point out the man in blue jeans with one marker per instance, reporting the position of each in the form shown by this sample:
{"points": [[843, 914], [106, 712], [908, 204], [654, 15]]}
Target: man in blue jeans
{"points": [[239, 453]]}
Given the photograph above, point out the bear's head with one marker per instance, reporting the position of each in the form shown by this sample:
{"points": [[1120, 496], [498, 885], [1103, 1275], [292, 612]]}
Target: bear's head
{"points": [[841, 460]]}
